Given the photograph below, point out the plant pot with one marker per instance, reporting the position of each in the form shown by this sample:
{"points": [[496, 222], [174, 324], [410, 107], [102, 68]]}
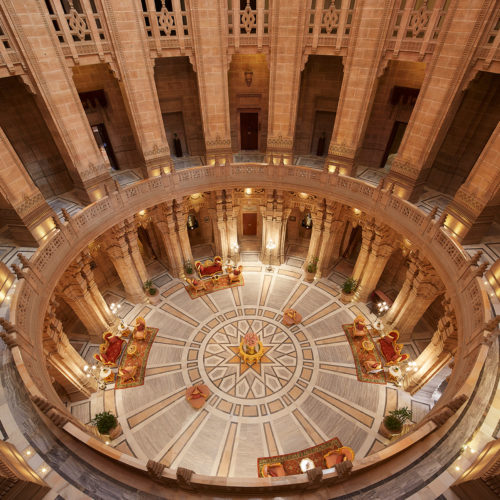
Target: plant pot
{"points": [[115, 431], [346, 298], [309, 277], [154, 299], [386, 432]]}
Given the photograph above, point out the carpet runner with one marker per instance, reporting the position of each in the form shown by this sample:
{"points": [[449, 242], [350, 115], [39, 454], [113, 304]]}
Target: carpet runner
{"points": [[221, 284], [291, 461], [360, 356], [139, 359]]}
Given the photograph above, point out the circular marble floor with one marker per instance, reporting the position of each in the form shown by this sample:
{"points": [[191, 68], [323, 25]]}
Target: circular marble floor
{"points": [[303, 392]]}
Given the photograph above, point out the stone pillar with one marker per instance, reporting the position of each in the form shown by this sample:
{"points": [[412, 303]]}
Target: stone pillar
{"points": [[74, 289], [381, 248], [284, 77], [364, 251], [324, 253], [164, 220], [223, 242], [477, 201], [367, 40], [181, 214], [274, 217], [447, 76], [99, 301], [211, 66], [132, 238], [117, 247], [50, 77], [436, 355], [65, 364], [30, 218], [317, 234], [232, 226], [136, 78], [420, 288]]}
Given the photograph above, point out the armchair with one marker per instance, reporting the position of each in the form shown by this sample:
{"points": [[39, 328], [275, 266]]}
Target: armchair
{"points": [[391, 350], [127, 373], [209, 267], [291, 317], [359, 327], [140, 329], [196, 285], [334, 457], [109, 350], [234, 274], [273, 470]]}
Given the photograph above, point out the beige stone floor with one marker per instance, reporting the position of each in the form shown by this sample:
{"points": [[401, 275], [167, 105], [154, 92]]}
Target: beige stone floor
{"points": [[305, 390]]}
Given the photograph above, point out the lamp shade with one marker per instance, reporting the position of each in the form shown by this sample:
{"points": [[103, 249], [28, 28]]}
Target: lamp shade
{"points": [[192, 222]]}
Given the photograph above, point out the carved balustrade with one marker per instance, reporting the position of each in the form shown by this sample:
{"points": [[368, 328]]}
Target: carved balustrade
{"points": [[248, 26], [457, 271]]}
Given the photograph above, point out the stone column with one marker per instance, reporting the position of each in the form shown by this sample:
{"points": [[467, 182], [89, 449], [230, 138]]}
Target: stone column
{"points": [[371, 22], [66, 365], [477, 201], [99, 301], [447, 76], [136, 78], [436, 355], [232, 226], [284, 76], [324, 253], [317, 233], [364, 251], [31, 216], [50, 78], [381, 249], [117, 247], [424, 287], [211, 66], [221, 226], [181, 214], [164, 220], [73, 288], [132, 238]]}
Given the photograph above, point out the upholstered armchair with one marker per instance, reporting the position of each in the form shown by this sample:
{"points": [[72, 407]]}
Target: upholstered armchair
{"points": [[196, 285], [127, 373], [334, 457], [273, 470], [234, 274], [359, 327], [391, 350], [291, 317], [209, 267], [140, 329], [109, 350]]}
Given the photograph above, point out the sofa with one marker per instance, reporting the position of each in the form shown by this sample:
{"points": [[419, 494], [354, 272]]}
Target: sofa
{"points": [[391, 350], [109, 350], [209, 267]]}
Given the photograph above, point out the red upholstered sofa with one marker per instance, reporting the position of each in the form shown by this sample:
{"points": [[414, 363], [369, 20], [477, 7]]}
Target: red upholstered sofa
{"points": [[209, 267], [391, 350], [110, 350]]}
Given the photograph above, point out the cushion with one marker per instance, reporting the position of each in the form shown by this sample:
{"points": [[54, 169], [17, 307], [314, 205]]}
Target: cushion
{"points": [[236, 272], [140, 327], [388, 349]]}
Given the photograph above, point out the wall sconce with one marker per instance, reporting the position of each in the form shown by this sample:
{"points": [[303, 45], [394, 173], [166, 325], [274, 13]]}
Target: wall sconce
{"points": [[248, 191], [303, 195], [192, 222], [248, 77], [307, 221]]}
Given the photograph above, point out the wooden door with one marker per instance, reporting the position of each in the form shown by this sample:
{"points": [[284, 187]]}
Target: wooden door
{"points": [[249, 129], [250, 224]]}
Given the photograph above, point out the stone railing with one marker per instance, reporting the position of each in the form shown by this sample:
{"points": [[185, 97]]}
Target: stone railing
{"points": [[450, 261]]}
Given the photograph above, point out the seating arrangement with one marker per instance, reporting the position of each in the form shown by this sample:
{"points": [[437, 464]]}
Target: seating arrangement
{"points": [[391, 350], [110, 350], [197, 395], [209, 267]]}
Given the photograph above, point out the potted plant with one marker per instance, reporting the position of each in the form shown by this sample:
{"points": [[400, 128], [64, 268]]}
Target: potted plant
{"points": [[392, 425], [107, 425], [188, 269], [348, 289], [311, 269], [152, 292]]}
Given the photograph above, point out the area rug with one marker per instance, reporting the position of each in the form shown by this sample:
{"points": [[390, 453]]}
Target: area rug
{"points": [[221, 284], [140, 359], [291, 461], [360, 356]]}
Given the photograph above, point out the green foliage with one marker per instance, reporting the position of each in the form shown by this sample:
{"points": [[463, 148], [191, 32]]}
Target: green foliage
{"points": [[396, 418], [188, 267], [149, 287], [312, 267], [104, 422], [349, 285]]}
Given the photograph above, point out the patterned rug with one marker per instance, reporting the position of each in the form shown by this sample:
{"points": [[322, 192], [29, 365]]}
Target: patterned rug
{"points": [[360, 356], [139, 359], [221, 284], [291, 461]]}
